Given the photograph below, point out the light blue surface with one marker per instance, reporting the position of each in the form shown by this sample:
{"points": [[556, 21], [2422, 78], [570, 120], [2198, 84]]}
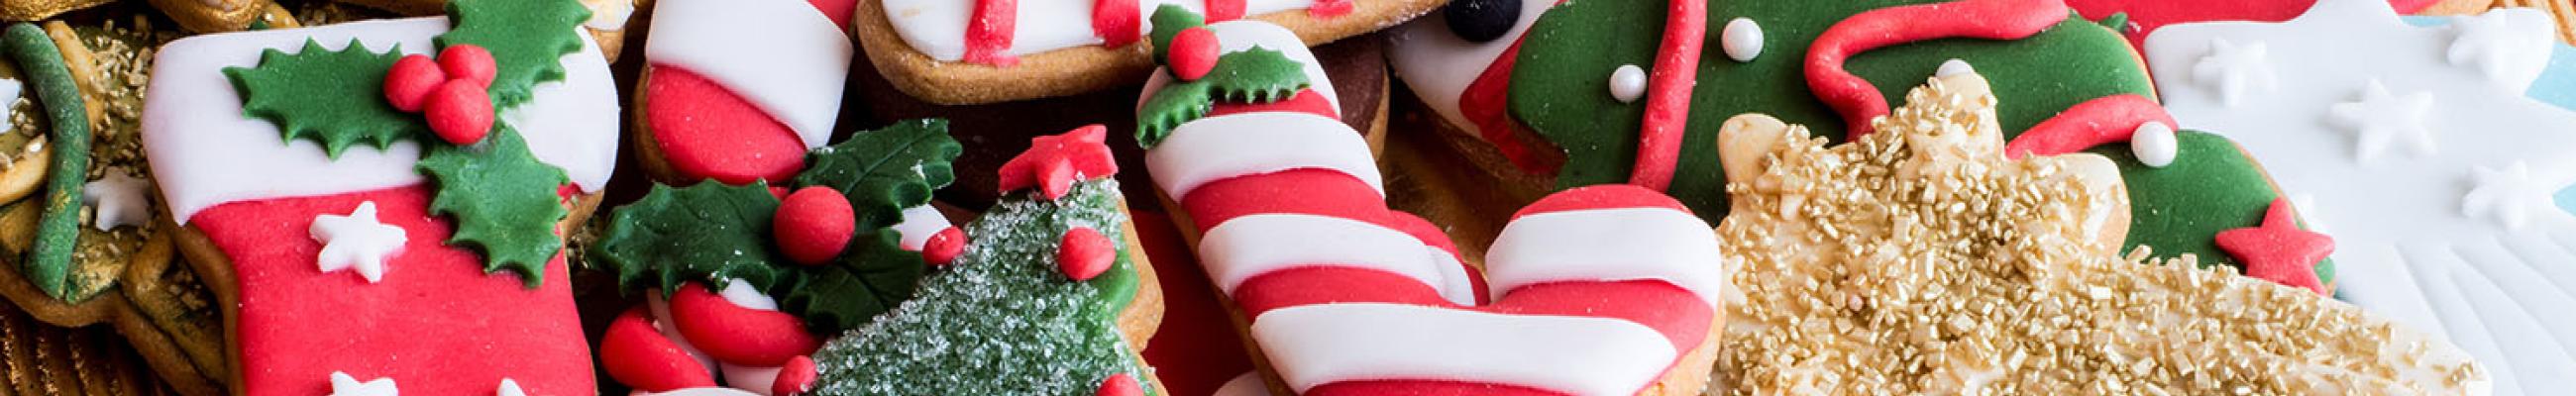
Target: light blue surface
{"points": [[2557, 86]]}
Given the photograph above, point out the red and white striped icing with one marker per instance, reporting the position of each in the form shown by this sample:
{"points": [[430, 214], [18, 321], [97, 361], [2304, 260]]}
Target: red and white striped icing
{"points": [[938, 28], [781, 55], [1596, 291]]}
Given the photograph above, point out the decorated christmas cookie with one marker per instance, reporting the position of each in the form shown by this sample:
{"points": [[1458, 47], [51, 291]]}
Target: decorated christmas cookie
{"points": [[737, 91], [2144, 16], [2453, 235], [1391, 309], [1898, 249], [984, 51], [382, 200]]}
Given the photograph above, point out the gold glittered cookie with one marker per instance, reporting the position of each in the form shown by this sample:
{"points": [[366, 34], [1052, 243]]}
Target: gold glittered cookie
{"points": [[29, 10], [1918, 260]]}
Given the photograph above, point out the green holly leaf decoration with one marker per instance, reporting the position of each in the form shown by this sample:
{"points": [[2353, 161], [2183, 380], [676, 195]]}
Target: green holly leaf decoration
{"points": [[1169, 21], [1256, 75], [335, 98], [706, 232], [885, 170], [873, 277], [527, 38], [503, 199]]}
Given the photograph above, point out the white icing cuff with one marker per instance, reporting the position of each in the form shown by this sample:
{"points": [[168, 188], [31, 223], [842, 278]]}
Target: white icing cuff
{"points": [[919, 223], [1607, 245], [1314, 345], [205, 152], [1236, 145], [1250, 246], [781, 55]]}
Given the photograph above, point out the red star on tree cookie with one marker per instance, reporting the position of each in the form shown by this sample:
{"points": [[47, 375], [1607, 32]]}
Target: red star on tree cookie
{"points": [[2279, 251], [1053, 163]]}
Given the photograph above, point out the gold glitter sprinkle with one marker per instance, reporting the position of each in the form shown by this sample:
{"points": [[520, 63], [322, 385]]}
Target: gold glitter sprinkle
{"points": [[1917, 260]]}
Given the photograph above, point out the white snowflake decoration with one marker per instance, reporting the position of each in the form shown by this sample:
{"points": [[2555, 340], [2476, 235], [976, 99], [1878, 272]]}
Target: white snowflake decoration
{"points": [[2233, 69], [118, 200], [2381, 118]]}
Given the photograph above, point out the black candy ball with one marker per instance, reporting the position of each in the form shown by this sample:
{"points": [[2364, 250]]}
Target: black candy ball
{"points": [[1482, 20]]}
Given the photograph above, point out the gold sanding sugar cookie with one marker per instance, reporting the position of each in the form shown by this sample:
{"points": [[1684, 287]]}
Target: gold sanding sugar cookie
{"points": [[1918, 260]]}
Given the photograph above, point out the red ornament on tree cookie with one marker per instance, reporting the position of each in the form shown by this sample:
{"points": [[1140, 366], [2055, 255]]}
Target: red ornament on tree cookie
{"points": [[814, 225], [1085, 253], [795, 378], [1120, 385], [1193, 53], [1045, 165], [943, 247]]}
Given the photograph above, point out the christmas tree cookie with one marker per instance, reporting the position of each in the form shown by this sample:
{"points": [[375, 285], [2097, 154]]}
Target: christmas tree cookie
{"points": [[379, 204]]}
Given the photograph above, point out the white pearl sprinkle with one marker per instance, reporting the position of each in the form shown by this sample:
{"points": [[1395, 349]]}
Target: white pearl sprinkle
{"points": [[1628, 83], [2154, 144], [1953, 67], [1742, 39]]}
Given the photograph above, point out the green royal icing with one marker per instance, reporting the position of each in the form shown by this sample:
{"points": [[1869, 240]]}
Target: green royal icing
{"points": [[1001, 319], [527, 38], [49, 260], [504, 201], [2210, 187], [1559, 85], [335, 98]]}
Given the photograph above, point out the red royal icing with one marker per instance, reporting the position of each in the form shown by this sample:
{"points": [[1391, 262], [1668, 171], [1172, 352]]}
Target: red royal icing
{"points": [[2103, 120], [1326, 9], [737, 335], [990, 31], [1600, 197], [635, 354], [2147, 15], [1196, 349], [944, 247], [814, 225], [706, 131], [1053, 163], [1119, 384], [1117, 22], [436, 322], [1856, 99], [2278, 250], [1083, 253], [1224, 10], [795, 378], [408, 83], [837, 10], [1486, 103], [1668, 90]]}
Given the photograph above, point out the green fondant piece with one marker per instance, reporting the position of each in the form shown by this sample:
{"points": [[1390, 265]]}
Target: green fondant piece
{"points": [[874, 276], [335, 98], [48, 262], [505, 202], [527, 38], [1256, 75], [2211, 187], [1559, 84], [707, 232], [1001, 319], [1169, 21], [886, 170]]}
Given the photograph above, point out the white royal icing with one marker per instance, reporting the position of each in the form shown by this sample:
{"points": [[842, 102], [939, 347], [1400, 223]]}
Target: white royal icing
{"points": [[8, 102], [1249, 246], [938, 27], [2154, 144], [1627, 83], [919, 224], [1742, 39], [1438, 66], [748, 378], [509, 387], [1455, 286], [2510, 45], [1313, 345], [117, 200], [661, 310], [741, 294], [1617, 244], [205, 152], [2403, 247], [2235, 70], [357, 241], [1239, 36], [781, 55], [344, 385], [1235, 145]]}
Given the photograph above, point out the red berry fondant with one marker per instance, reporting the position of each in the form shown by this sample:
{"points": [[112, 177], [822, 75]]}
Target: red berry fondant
{"points": [[943, 247], [408, 83], [1084, 253], [814, 225], [635, 354], [794, 378], [468, 62], [737, 335], [1193, 53], [1120, 384], [459, 111]]}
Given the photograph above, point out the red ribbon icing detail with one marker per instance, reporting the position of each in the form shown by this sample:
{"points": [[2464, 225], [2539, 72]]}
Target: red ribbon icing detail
{"points": [[1668, 90], [1117, 22], [1224, 10], [1485, 103], [1856, 99], [1325, 9], [2103, 120], [990, 31]]}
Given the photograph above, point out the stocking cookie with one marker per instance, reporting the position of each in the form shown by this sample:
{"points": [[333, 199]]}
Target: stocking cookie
{"points": [[737, 91], [1388, 309], [354, 241], [1893, 250], [2455, 236]]}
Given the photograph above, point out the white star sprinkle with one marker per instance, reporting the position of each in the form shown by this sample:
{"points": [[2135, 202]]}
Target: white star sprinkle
{"points": [[344, 385], [510, 388], [2381, 118], [2499, 44], [2231, 70], [2508, 195], [357, 241], [118, 200]]}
